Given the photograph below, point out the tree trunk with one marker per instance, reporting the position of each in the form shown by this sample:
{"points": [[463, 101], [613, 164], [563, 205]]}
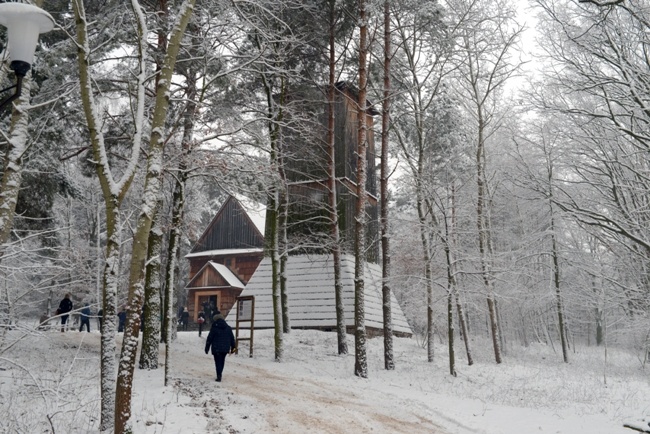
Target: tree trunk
{"points": [[272, 251], [113, 193], [109, 326], [483, 234], [151, 308], [600, 335], [389, 360], [169, 311], [274, 118], [360, 358], [283, 246], [558, 294], [178, 211], [152, 189], [12, 174], [450, 333], [341, 332], [462, 317]]}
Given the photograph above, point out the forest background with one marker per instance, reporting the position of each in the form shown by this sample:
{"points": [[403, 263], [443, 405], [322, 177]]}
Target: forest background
{"points": [[518, 199]]}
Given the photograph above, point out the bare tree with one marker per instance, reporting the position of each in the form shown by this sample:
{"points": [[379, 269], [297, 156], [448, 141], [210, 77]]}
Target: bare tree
{"points": [[341, 334], [389, 361], [488, 37], [114, 193], [360, 353], [597, 88], [421, 65]]}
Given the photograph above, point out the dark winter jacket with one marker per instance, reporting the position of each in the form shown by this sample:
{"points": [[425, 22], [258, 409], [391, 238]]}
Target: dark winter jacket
{"points": [[85, 313], [65, 306], [220, 338]]}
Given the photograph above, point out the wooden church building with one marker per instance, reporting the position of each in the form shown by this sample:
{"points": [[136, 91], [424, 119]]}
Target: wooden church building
{"points": [[312, 305], [227, 261], [225, 257]]}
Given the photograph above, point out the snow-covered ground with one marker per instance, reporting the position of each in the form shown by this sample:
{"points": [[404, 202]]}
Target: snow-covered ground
{"points": [[51, 380]]}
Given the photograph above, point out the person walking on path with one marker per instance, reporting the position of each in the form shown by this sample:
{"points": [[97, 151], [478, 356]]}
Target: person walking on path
{"points": [[222, 341], [185, 318], [121, 320], [200, 321], [85, 318], [64, 310], [207, 311], [100, 319]]}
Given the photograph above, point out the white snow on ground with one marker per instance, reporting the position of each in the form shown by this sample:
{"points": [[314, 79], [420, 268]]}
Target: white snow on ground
{"points": [[313, 390]]}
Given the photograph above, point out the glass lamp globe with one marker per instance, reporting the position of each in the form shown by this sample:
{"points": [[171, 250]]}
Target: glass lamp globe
{"points": [[24, 23]]}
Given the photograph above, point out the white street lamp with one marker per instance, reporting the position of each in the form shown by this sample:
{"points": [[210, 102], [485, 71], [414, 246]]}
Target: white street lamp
{"points": [[24, 23]]}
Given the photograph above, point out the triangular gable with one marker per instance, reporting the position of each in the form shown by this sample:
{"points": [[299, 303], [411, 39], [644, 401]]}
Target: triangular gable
{"points": [[214, 275], [255, 211], [231, 228], [310, 288], [227, 275]]}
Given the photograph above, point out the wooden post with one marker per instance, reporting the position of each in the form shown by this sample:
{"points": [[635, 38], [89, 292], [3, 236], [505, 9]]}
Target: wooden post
{"points": [[245, 313]]}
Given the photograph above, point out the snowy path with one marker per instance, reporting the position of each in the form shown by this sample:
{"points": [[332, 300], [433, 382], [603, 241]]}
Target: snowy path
{"points": [[315, 391], [268, 399]]}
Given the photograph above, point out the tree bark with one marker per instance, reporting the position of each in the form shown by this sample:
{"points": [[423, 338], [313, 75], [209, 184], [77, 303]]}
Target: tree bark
{"points": [[152, 189], [178, 211], [558, 294], [462, 319], [389, 360], [151, 308], [360, 359], [341, 332], [483, 234], [12, 174], [113, 194]]}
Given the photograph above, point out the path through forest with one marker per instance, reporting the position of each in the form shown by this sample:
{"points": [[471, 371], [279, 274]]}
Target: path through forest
{"points": [[265, 400]]}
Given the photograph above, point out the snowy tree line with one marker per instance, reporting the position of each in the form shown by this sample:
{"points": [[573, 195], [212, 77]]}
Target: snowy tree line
{"points": [[515, 212]]}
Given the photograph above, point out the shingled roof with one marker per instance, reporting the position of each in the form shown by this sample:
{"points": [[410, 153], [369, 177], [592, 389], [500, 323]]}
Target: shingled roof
{"points": [[233, 228], [310, 287]]}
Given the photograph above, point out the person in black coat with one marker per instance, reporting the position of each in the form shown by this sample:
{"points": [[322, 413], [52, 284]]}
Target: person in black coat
{"points": [[100, 319], [185, 318], [121, 320], [64, 310], [85, 318], [222, 341], [200, 321]]}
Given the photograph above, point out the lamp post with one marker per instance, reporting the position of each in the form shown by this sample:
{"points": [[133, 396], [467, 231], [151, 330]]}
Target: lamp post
{"points": [[24, 23]]}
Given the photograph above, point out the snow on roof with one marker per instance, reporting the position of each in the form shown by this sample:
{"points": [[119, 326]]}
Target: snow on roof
{"points": [[227, 275], [255, 210], [310, 287], [223, 252]]}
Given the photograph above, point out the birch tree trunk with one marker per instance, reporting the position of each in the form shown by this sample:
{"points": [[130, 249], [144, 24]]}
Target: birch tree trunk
{"points": [[152, 188], [389, 360], [113, 194], [151, 308], [360, 358], [17, 146]]}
